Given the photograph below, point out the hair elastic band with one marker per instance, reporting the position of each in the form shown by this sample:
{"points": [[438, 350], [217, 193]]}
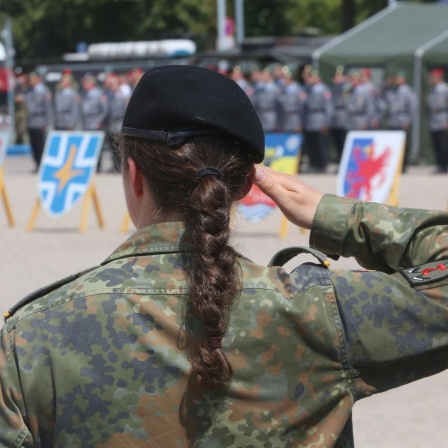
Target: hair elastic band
{"points": [[207, 172]]}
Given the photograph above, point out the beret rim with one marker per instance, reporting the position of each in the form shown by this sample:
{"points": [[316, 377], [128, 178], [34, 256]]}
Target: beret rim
{"points": [[174, 103]]}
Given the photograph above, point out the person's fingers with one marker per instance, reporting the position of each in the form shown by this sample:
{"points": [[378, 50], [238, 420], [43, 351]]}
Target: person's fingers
{"points": [[297, 200], [265, 180], [274, 183]]}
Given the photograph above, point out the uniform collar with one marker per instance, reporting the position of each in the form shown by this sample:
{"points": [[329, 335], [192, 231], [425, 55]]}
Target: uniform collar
{"points": [[157, 238]]}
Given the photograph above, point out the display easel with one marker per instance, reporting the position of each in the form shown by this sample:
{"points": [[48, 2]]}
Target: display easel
{"points": [[393, 198], [5, 200], [91, 195], [126, 222]]}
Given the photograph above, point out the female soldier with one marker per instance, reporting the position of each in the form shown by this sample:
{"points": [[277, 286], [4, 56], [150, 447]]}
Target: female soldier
{"points": [[177, 340]]}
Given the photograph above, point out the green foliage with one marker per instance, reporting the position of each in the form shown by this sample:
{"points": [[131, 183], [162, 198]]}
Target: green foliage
{"points": [[49, 28], [366, 8], [44, 29]]}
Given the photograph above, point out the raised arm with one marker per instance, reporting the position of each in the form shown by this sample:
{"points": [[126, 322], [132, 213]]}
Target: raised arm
{"points": [[379, 237], [394, 316]]}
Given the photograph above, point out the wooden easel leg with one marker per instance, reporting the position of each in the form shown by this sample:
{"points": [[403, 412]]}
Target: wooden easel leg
{"points": [[85, 210], [283, 228], [91, 195], [7, 208], [96, 205], [393, 195], [126, 222], [33, 216], [393, 199], [8, 211]]}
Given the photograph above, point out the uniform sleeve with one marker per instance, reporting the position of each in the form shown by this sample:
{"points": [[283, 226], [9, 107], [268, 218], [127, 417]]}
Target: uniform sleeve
{"points": [[13, 430], [379, 237], [396, 330]]}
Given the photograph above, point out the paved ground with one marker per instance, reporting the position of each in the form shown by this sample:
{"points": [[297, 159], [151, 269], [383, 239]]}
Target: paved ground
{"points": [[411, 417]]}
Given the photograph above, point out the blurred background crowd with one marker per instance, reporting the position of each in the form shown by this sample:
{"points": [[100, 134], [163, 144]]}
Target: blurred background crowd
{"points": [[320, 69], [286, 100], [92, 104]]}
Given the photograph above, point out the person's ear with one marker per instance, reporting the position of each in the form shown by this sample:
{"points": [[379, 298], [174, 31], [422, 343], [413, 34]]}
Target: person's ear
{"points": [[136, 178], [248, 186]]}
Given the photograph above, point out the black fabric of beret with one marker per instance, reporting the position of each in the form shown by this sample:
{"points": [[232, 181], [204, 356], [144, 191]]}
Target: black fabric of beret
{"points": [[174, 103]]}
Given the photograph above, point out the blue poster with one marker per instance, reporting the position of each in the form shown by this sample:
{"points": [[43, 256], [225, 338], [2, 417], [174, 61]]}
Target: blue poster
{"points": [[281, 154], [68, 164]]}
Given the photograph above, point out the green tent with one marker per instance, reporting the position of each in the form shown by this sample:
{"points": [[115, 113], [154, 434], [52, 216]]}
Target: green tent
{"points": [[405, 36]]}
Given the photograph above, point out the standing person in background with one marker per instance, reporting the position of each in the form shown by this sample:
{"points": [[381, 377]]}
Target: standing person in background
{"points": [[438, 119], [376, 97], [124, 85], [116, 110], [38, 103], [388, 87], [292, 100], [279, 73], [4, 88], [20, 112], [256, 81], [266, 101], [109, 94], [107, 82], [93, 108], [237, 75], [66, 105], [339, 121], [134, 77], [402, 107], [93, 105], [317, 119], [304, 74], [360, 107]]}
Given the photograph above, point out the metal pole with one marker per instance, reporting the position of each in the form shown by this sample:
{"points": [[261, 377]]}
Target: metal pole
{"points": [[221, 24], [239, 14], [9, 48], [415, 148], [418, 72]]}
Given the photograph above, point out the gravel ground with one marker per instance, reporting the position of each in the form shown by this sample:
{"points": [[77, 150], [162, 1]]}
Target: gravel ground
{"points": [[413, 416]]}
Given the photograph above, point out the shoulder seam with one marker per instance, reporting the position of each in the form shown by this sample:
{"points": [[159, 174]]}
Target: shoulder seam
{"points": [[44, 291]]}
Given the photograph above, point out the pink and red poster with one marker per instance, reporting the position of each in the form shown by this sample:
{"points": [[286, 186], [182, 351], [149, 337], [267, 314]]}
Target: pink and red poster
{"points": [[370, 163]]}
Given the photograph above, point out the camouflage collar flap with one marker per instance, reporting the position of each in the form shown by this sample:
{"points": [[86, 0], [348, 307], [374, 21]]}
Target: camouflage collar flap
{"points": [[155, 239], [426, 273]]}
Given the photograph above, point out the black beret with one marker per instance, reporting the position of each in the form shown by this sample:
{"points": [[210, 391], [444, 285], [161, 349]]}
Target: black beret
{"points": [[174, 103]]}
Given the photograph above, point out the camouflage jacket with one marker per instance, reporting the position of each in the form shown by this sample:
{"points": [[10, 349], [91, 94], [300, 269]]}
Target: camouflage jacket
{"points": [[97, 361]]}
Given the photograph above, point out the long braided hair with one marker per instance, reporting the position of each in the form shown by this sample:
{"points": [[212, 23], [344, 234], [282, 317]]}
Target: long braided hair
{"points": [[205, 204]]}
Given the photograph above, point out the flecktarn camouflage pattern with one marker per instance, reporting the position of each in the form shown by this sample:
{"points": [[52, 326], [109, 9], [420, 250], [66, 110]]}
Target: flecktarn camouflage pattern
{"points": [[98, 360]]}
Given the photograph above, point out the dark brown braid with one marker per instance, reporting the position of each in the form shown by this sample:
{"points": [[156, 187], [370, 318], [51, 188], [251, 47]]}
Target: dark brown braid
{"points": [[210, 263]]}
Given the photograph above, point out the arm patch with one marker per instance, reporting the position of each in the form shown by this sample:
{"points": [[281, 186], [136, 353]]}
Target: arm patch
{"points": [[425, 274]]}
